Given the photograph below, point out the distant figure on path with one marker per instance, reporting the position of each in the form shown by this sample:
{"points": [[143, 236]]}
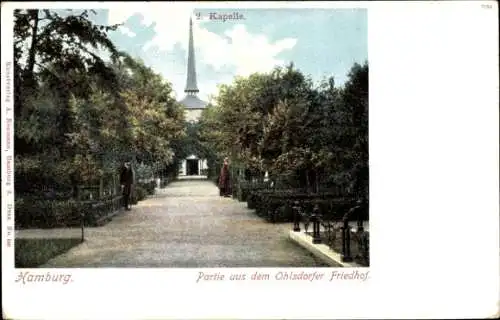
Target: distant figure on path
{"points": [[126, 181], [225, 180]]}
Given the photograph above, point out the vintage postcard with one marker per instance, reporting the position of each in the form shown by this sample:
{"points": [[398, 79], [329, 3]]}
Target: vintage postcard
{"points": [[161, 158]]}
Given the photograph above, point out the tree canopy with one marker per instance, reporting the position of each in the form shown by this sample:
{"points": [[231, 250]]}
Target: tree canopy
{"points": [[82, 107], [79, 114], [299, 132]]}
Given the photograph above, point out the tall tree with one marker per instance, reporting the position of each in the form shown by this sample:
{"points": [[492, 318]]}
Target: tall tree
{"points": [[78, 114], [282, 123]]}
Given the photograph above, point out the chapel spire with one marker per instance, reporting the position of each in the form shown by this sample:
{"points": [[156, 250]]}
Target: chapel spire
{"points": [[191, 83]]}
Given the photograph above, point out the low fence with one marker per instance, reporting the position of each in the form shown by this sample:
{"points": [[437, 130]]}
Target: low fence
{"points": [[93, 207], [343, 231], [46, 214], [338, 219]]}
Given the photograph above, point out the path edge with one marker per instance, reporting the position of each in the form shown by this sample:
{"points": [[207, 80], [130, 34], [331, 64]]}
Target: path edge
{"points": [[321, 251]]}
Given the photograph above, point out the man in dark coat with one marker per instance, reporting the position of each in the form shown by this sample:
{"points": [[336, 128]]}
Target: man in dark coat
{"points": [[225, 180], [126, 180]]}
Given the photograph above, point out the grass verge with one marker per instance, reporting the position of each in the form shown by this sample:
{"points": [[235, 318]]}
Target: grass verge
{"points": [[31, 253]]}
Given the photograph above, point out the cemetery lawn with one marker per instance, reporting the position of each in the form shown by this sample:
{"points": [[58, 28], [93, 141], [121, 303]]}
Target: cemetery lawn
{"points": [[31, 253]]}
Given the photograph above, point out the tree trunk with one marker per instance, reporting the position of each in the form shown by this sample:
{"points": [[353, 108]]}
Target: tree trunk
{"points": [[32, 52], [308, 183], [74, 187], [316, 178], [101, 188], [115, 186]]}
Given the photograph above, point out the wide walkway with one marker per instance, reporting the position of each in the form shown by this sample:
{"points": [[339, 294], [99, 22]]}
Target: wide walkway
{"points": [[186, 225]]}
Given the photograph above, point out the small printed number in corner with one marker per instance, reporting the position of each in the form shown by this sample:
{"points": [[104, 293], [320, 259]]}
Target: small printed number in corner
{"points": [[486, 6]]}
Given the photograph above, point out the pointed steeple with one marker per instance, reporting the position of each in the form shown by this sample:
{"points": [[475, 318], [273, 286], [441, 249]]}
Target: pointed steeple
{"points": [[191, 84], [191, 100]]}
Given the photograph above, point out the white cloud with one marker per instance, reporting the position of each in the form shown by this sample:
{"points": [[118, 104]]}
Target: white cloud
{"points": [[126, 31], [237, 48]]}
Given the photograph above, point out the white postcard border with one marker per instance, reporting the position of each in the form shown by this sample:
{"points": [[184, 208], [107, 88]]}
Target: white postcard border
{"points": [[433, 259]]}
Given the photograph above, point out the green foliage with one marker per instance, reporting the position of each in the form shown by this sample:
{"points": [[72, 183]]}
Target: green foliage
{"points": [[77, 116], [139, 194], [191, 143], [32, 253], [32, 212], [281, 123], [144, 172], [148, 187]]}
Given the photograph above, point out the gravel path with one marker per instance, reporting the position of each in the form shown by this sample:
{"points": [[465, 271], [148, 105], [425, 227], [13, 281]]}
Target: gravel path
{"points": [[187, 225]]}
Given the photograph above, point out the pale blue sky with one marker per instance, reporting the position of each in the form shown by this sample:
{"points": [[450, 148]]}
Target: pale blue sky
{"points": [[320, 42]]}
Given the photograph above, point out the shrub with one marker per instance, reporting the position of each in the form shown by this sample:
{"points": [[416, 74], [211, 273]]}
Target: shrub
{"points": [[164, 182], [46, 214], [32, 213], [139, 194], [149, 187], [31, 253], [243, 190], [249, 189], [277, 205]]}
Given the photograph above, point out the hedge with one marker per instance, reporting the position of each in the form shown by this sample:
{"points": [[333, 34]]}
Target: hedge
{"points": [[248, 189], [149, 187], [277, 205], [58, 214], [31, 253], [33, 212]]}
